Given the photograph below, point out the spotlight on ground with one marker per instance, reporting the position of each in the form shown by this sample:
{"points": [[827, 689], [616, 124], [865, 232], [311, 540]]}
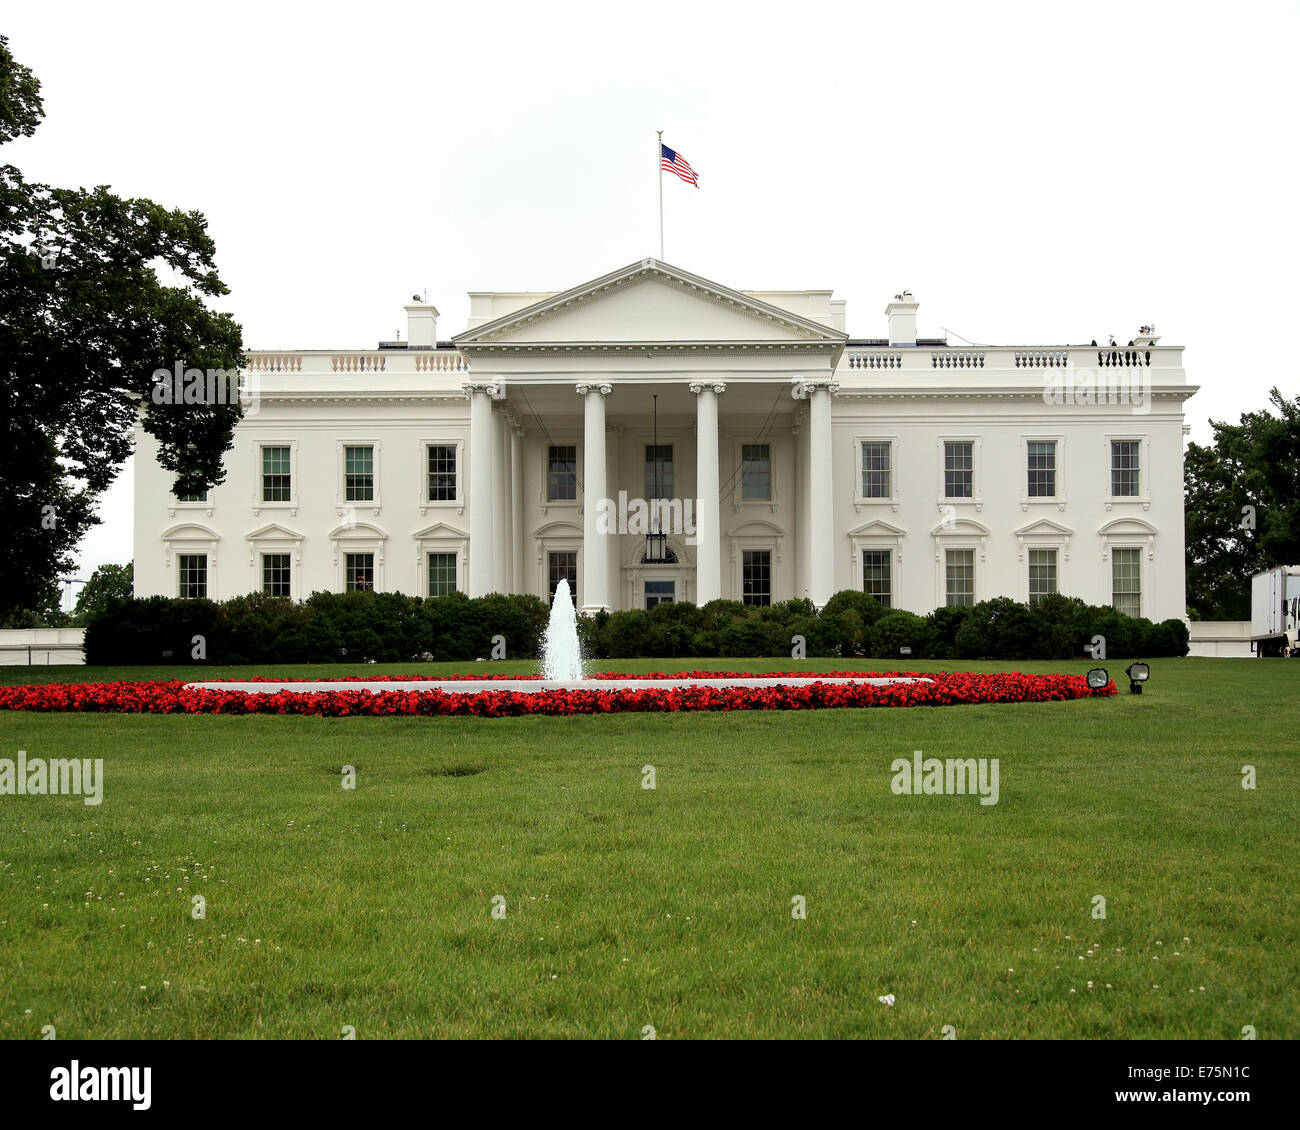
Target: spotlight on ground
{"points": [[1098, 679], [1138, 673]]}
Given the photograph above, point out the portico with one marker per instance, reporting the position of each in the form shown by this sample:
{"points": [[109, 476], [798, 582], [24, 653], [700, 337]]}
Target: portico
{"points": [[731, 372]]}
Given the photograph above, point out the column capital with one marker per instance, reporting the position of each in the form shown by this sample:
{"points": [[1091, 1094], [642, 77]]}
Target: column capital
{"points": [[514, 420], [494, 389], [601, 387], [697, 387], [801, 387]]}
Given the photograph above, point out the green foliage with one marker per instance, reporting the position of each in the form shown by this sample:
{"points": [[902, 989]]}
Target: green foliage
{"points": [[848, 619], [106, 582], [1242, 507], [899, 629], [327, 628], [85, 322], [335, 627]]}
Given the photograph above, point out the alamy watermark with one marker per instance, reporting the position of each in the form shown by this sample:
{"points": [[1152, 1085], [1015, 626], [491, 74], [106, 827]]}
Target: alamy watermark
{"points": [[1092, 388], [953, 776], [642, 516], [60, 776], [180, 386]]}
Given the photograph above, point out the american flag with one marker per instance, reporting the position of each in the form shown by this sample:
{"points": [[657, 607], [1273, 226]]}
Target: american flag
{"points": [[674, 162]]}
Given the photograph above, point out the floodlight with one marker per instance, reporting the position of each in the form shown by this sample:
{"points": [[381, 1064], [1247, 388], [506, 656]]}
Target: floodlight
{"points": [[904, 651], [1098, 679], [1138, 673]]}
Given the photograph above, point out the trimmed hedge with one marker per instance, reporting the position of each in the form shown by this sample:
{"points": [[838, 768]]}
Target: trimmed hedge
{"points": [[326, 628], [390, 627]]}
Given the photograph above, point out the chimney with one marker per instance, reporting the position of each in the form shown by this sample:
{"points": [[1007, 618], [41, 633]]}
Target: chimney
{"points": [[902, 319], [421, 325]]}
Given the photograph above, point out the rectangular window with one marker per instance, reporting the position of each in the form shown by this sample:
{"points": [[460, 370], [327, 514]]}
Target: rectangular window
{"points": [[756, 472], [359, 572], [659, 471], [198, 497], [1042, 574], [359, 474], [561, 474], [756, 576], [192, 569], [562, 565], [442, 573], [1042, 469], [276, 481], [659, 592], [960, 567], [275, 574], [442, 473], [875, 575], [875, 470], [1126, 581], [959, 470], [1125, 474]]}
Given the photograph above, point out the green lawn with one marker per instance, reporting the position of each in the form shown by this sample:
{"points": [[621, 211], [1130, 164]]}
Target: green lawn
{"points": [[628, 907]]}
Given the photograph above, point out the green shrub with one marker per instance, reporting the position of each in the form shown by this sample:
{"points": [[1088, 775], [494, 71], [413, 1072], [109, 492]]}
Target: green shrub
{"points": [[899, 629], [390, 627]]}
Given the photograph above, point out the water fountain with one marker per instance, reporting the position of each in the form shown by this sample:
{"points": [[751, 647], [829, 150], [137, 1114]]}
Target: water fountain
{"points": [[561, 651]]}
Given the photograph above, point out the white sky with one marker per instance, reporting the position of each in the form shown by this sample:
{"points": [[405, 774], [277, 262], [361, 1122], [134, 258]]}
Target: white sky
{"points": [[1034, 173]]}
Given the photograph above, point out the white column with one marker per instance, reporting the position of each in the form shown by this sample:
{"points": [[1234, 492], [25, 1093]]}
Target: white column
{"points": [[502, 551], [820, 492], [595, 545], [481, 394], [517, 504], [708, 519], [799, 433]]}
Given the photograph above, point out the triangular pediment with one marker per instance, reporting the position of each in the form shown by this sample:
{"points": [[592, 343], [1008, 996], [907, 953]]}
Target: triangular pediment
{"points": [[649, 302], [438, 530], [877, 528], [274, 532], [1044, 527]]}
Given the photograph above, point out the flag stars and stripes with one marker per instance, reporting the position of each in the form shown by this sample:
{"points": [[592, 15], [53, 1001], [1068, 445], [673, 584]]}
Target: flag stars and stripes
{"points": [[674, 162]]}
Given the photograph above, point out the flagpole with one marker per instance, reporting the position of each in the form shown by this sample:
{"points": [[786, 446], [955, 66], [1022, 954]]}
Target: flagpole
{"points": [[659, 164]]}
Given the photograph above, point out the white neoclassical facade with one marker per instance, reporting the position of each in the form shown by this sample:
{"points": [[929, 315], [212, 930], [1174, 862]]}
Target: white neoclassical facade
{"points": [[792, 460]]}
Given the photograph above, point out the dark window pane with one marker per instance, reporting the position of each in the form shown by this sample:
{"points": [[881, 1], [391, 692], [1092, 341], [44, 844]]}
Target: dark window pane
{"points": [[359, 474], [360, 572], [756, 471], [442, 473], [875, 575], [756, 577], [562, 565], [276, 574], [561, 473], [958, 470], [192, 569], [659, 476]]}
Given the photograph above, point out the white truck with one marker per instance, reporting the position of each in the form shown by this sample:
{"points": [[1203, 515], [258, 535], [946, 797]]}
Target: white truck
{"points": [[1275, 611]]}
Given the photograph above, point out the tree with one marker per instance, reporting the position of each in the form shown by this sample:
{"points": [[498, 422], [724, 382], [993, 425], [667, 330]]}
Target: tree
{"points": [[86, 320], [106, 583], [1242, 506]]}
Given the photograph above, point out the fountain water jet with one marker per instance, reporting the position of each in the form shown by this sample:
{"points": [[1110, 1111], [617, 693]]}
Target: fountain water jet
{"points": [[561, 651]]}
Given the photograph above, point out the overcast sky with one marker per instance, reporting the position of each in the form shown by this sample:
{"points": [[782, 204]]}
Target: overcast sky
{"points": [[1035, 173]]}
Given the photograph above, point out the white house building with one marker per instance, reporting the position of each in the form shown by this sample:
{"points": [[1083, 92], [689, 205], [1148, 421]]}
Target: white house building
{"points": [[799, 460]]}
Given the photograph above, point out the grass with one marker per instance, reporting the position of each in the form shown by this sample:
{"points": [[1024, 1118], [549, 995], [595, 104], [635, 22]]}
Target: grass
{"points": [[670, 907]]}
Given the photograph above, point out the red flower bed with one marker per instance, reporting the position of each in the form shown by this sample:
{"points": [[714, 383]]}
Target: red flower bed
{"points": [[171, 696]]}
